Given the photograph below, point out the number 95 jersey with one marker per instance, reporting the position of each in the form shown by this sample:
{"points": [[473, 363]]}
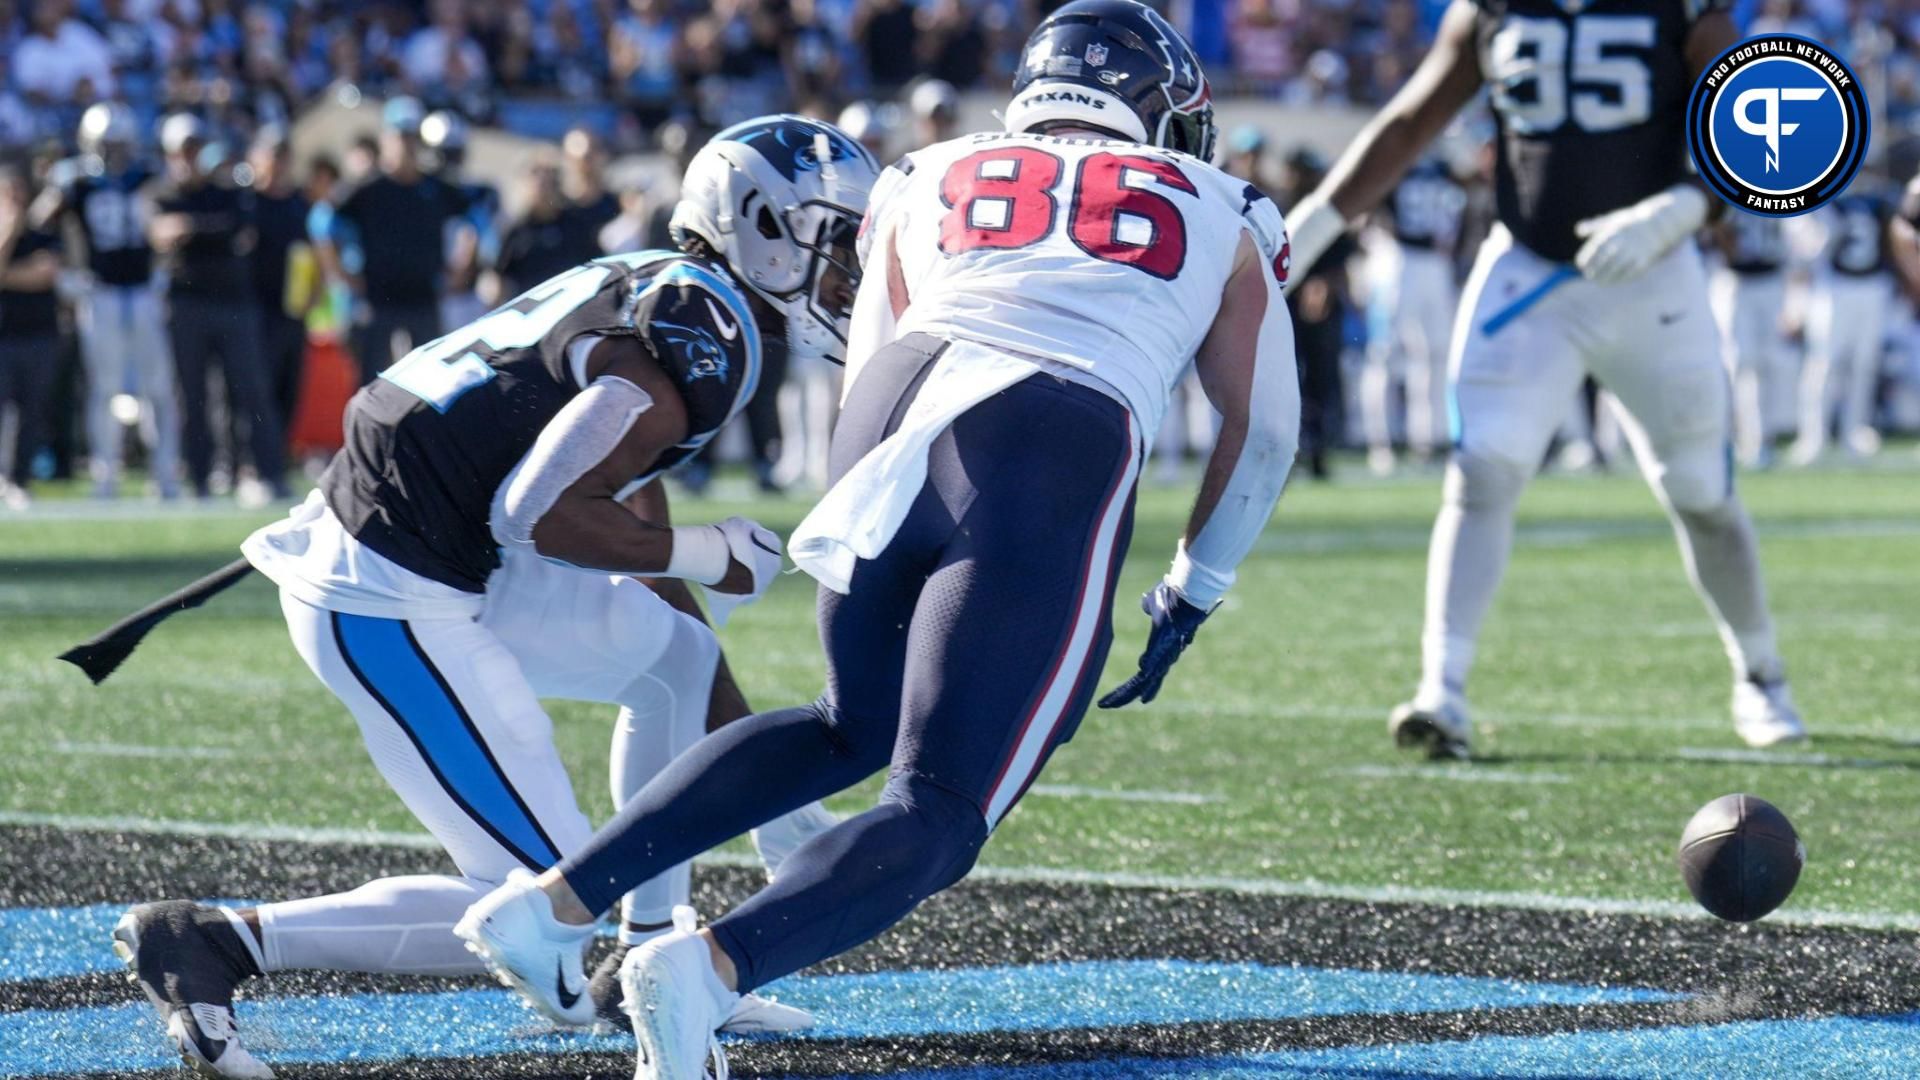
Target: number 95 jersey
{"points": [[1106, 256], [1590, 100]]}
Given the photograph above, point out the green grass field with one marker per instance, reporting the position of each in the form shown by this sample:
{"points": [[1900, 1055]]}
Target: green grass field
{"points": [[1601, 686]]}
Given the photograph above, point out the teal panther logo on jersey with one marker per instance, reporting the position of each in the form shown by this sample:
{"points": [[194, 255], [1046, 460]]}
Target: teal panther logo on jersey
{"points": [[1778, 125]]}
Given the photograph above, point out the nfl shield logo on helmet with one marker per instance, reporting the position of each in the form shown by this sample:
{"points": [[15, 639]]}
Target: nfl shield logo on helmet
{"points": [[1096, 55]]}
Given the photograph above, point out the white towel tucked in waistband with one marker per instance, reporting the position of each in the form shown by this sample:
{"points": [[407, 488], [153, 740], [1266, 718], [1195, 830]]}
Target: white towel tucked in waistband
{"points": [[857, 518]]}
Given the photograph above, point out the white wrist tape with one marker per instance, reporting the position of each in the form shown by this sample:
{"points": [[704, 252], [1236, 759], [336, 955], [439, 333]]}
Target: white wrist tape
{"points": [[700, 553], [1202, 585]]}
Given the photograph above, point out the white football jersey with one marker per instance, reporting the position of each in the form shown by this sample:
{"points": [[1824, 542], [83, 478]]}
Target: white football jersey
{"points": [[1108, 257]]}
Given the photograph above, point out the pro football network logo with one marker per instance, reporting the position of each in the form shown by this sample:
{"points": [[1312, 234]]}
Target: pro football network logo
{"points": [[1777, 125]]}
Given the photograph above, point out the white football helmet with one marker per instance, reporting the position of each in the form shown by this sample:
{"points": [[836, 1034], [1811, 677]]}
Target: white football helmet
{"points": [[105, 123], [780, 199]]}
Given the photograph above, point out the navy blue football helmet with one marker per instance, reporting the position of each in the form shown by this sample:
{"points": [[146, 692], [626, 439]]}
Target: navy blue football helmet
{"points": [[1116, 65]]}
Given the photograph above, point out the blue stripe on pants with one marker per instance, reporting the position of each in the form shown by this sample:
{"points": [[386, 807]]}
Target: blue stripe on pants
{"points": [[384, 655]]}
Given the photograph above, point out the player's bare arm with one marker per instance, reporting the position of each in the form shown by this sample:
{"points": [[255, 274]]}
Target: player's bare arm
{"points": [[1246, 367], [629, 414], [1390, 144], [727, 703]]}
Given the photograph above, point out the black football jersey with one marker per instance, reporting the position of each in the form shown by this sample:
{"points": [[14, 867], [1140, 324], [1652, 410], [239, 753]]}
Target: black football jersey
{"points": [[112, 215], [1856, 235], [1426, 207], [430, 441], [1590, 104]]}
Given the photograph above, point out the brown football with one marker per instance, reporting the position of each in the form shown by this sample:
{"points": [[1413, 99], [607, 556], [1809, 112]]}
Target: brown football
{"points": [[1740, 857]]}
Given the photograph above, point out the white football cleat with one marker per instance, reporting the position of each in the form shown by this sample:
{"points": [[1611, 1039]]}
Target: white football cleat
{"points": [[755, 1015], [1438, 724], [1764, 714], [752, 1014], [675, 1002], [174, 954], [782, 836], [513, 930]]}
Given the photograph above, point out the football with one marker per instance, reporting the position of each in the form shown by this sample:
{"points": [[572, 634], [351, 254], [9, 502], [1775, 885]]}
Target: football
{"points": [[1740, 857]]}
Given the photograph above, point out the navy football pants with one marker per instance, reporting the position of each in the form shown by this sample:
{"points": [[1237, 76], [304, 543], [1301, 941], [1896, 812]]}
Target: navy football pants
{"points": [[958, 659]]}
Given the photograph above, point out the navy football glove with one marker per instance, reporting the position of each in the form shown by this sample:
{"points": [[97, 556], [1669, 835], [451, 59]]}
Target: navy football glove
{"points": [[1175, 621]]}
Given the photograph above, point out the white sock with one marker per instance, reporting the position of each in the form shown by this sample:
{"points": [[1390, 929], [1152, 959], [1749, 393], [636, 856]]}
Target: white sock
{"points": [[241, 928], [1723, 562], [399, 925], [663, 712], [1472, 538]]}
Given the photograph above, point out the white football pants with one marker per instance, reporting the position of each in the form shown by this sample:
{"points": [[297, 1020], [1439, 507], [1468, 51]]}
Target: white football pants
{"points": [[1748, 307], [1409, 344], [450, 711], [1846, 334], [122, 334], [1652, 343]]}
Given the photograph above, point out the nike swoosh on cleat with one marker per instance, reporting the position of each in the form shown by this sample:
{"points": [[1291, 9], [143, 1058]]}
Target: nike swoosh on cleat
{"points": [[728, 330], [560, 991], [765, 548]]}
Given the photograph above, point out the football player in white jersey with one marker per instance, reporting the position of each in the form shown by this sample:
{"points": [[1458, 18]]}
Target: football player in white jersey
{"points": [[1028, 301], [1590, 271]]}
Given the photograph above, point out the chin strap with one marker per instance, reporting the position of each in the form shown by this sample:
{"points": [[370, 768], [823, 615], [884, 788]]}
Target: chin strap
{"points": [[1312, 226]]}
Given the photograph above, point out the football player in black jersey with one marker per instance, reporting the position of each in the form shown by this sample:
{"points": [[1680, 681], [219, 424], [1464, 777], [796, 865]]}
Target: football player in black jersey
{"points": [[119, 314], [471, 550], [1591, 176], [1846, 326]]}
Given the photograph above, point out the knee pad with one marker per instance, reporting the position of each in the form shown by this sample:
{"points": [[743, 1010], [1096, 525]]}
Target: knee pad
{"points": [[1478, 480], [948, 826]]}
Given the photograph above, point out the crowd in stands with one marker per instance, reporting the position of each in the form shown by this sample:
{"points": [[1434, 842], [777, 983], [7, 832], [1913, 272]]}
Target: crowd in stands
{"points": [[177, 224]]}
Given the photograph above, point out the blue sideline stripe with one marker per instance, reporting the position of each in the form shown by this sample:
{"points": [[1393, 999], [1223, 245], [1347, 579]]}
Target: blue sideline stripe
{"points": [[1854, 1048], [374, 1027], [388, 661]]}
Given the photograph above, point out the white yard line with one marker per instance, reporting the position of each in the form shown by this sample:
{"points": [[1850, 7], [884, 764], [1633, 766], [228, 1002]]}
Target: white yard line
{"points": [[135, 750], [1075, 791], [1467, 774], [1780, 757], [1046, 875]]}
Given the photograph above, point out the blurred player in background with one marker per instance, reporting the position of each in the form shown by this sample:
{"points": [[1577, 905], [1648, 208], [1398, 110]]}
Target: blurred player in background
{"points": [[472, 239], [29, 329], [1846, 327], [1031, 297], [280, 211], [1749, 296], [203, 232], [1320, 296], [472, 550], [1411, 313], [123, 341], [1593, 177]]}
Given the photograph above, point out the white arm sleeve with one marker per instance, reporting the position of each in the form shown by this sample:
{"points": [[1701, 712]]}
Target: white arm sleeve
{"points": [[579, 436], [1204, 569]]}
